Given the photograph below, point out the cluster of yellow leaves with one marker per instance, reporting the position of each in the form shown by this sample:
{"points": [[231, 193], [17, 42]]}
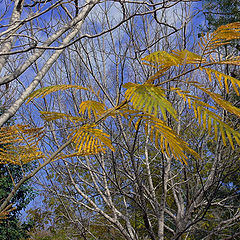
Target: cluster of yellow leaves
{"points": [[203, 111], [19, 144], [148, 100], [90, 140], [222, 36], [165, 60], [163, 136], [51, 116], [226, 79], [92, 107]]}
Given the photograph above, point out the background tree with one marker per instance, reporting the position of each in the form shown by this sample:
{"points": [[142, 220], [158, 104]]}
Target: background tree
{"points": [[223, 12], [13, 226], [220, 12]]}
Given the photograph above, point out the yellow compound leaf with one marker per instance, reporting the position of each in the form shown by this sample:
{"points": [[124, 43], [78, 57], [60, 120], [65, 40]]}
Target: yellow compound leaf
{"points": [[42, 92], [51, 116], [92, 107], [19, 144], [90, 140], [226, 79], [222, 36], [149, 99]]}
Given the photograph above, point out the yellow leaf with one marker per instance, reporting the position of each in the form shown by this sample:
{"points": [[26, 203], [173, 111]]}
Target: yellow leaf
{"points": [[50, 89], [149, 99], [92, 107], [90, 140]]}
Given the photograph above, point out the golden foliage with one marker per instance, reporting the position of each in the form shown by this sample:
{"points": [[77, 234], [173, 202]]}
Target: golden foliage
{"points": [[149, 99], [223, 79], [19, 144], [220, 101], [92, 107], [51, 116], [205, 113], [90, 140], [222, 36], [50, 89], [163, 136], [208, 118], [165, 60]]}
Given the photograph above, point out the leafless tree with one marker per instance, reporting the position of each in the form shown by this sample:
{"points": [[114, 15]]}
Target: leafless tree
{"points": [[38, 32]]}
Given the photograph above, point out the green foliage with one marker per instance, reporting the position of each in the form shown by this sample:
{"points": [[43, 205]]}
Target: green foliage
{"points": [[11, 227], [220, 12]]}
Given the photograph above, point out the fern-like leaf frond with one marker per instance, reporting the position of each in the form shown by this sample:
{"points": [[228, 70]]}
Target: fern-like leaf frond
{"points": [[163, 137], [149, 99], [19, 144], [191, 99], [232, 60], [165, 60], [213, 122], [51, 116], [161, 59], [222, 36], [50, 89], [209, 119], [92, 107], [187, 57], [223, 79], [220, 101], [90, 140]]}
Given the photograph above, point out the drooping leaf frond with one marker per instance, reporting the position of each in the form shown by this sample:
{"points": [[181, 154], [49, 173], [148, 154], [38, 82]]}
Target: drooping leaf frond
{"points": [[187, 57], [19, 144], [212, 121], [163, 61], [222, 36], [50, 89], [51, 116], [208, 118], [223, 79], [220, 101], [149, 99], [92, 107], [191, 99], [163, 137], [90, 140]]}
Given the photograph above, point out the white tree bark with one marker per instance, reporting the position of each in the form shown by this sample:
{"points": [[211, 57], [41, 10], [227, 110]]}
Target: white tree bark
{"points": [[6, 46], [17, 104]]}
